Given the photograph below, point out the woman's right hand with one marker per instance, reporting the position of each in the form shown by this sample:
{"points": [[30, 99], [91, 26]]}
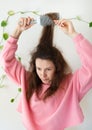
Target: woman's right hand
{"points": [[23, 24]]}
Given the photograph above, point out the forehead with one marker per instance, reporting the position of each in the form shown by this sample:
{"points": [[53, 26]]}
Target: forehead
{"points": [[44, 63]]}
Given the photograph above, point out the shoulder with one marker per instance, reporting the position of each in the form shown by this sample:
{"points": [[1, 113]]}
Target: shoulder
{"points": [[66, 81]]}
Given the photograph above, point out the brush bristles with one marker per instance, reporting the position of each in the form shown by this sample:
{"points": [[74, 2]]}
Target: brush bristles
{"points": [[46, 20]]}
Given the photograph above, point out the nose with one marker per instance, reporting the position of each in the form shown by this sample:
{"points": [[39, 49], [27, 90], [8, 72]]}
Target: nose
{"points": [[43, 73]]}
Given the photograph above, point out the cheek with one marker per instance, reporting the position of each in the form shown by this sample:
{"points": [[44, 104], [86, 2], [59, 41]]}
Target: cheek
{"points": [[38, 73], [52, 74]]}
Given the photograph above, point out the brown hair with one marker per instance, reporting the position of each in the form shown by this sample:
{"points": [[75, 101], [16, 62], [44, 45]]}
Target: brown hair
{"points": [[46, 50]]}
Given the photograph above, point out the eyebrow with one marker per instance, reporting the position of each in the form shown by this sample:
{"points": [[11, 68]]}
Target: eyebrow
{"points": [[50, 67]]}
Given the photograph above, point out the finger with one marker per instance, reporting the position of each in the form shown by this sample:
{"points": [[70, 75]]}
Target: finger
{"points": [[25, 22], [59, 23], [21, 22], [28, 20], [66, 22]]}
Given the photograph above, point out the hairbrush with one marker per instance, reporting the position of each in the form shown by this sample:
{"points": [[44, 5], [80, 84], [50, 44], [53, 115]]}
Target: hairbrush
{"points": [[44, 20]]}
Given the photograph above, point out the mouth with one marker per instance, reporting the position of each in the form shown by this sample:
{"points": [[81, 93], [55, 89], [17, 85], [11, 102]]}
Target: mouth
{"points": [[46, 81]]}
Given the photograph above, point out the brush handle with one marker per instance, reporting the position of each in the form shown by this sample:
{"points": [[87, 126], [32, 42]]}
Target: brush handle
{"points": [[35, 21]]}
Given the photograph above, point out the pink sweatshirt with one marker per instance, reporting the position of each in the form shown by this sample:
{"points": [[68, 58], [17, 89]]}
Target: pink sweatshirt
{"points": [[61, 110]]}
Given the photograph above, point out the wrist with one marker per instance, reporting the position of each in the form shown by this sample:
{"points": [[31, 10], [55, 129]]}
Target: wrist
{"points": [[73, 34], [16, 33]]}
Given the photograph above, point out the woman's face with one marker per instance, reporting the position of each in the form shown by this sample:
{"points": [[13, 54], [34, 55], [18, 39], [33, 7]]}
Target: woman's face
{"points": [[45, 70]]}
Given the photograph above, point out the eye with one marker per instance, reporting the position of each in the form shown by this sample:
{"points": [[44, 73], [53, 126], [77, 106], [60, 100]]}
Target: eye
{"points": [[38, 68], [49, 69]]}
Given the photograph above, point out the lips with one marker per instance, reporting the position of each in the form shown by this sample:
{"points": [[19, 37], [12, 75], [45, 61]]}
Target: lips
{"points": [[45, 79]]}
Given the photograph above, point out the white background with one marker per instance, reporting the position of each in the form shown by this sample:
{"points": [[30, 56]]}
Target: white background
{"points": [[10, 119]]}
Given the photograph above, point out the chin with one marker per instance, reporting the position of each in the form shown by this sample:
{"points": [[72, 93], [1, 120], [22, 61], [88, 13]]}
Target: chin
{"points": [[46, 82]]}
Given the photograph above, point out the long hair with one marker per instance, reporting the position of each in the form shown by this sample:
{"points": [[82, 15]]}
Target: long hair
{"points": [[46, 50]]}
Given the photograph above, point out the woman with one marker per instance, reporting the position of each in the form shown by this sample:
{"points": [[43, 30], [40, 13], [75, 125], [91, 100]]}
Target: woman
{"points": [[50, 92]]}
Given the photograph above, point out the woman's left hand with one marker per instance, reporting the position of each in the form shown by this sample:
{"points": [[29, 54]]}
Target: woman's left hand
{"points": [[66, 26]]}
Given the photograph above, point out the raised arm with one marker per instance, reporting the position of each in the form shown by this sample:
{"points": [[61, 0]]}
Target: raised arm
{"points": [[11, 65], [82, 78]]}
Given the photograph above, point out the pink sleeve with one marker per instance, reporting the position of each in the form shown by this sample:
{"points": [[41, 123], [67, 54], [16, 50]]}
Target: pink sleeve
{"points": [[83, 76], [11, 65]]}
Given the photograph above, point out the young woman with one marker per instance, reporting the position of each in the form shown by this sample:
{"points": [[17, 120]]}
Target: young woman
{"points": [[50, 92]]}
